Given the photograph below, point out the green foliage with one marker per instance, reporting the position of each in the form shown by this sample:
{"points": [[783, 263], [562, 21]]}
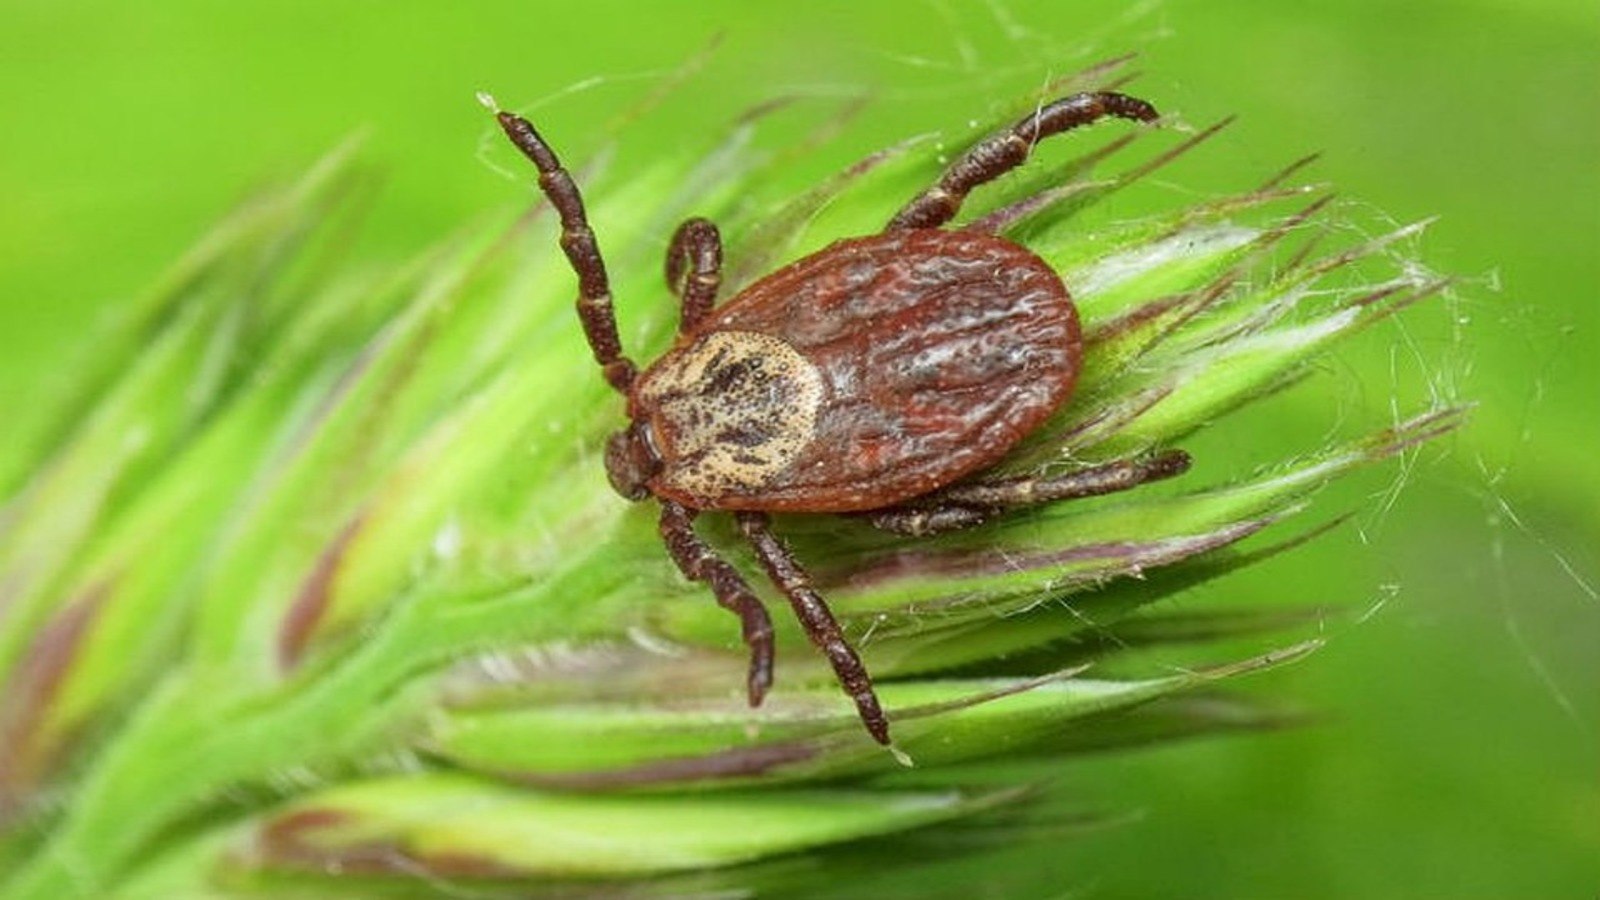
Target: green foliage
{"points": [[314, 571]]}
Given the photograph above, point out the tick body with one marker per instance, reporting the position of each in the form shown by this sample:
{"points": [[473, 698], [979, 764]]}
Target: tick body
{"points": [[865, 375], [877, 377]]}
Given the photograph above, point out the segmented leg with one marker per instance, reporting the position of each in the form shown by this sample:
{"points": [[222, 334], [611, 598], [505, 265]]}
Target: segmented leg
{"points": [[1000, 154], [694, 269], [966, 505], [817, 619], [699, 562], [595, 309]]}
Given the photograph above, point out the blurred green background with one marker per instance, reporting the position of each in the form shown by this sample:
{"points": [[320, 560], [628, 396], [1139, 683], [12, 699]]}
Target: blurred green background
{"points": [[1458, 749]]}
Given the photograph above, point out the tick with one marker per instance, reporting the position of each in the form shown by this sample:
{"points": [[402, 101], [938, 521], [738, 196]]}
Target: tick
{"points": [[877, 377]]}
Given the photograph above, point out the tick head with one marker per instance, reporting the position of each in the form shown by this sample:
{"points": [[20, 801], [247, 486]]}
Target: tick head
{"points": [[631, 461]]}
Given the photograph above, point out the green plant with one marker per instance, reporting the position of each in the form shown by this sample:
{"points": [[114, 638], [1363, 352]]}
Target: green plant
{"points": [[313, 576]]}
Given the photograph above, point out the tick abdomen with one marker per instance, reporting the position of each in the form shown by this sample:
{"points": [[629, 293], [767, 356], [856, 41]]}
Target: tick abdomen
{"points": [[864, 375]]}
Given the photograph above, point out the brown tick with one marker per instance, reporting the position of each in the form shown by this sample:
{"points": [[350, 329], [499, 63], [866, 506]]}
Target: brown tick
{"points": [[872, 377]]}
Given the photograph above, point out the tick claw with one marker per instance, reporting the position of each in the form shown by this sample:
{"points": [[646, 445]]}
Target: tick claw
{"points": [[759, 679], [1169, 464]]}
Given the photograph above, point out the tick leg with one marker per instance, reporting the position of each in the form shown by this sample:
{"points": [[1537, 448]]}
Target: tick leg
{"points": [[595, 310], [966, 505], [695, 244], [922, 521], [1000, 154], [1108, 478], [699, 562], [817, 619]]}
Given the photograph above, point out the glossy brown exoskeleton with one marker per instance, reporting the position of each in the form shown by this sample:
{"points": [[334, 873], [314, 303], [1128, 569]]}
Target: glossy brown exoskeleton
{"points": [[872, 377]]}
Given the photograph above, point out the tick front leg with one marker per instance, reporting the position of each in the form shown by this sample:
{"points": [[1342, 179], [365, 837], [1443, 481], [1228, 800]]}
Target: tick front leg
{"points": [[817, 619], [694, 269], [967, 505], [1000, 154], [699, 562], [595, 309]]}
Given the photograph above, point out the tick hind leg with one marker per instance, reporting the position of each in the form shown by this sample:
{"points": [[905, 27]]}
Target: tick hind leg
{"points": [[1003, 152], [694, 269], [595, 309], [817, 619], [699, 562], [967, 505]]}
